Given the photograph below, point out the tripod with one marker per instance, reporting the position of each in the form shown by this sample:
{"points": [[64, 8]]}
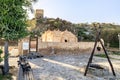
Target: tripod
{"points": [[91, 57]]}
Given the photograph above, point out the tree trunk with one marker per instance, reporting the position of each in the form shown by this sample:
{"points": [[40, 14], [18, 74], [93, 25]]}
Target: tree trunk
{"points": [[6, 64]]}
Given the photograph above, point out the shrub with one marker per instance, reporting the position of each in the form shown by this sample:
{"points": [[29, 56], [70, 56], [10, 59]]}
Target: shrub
{"points": [[111, 37]]}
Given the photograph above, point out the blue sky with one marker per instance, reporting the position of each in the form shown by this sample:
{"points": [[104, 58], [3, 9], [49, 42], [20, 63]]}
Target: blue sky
{"points": [[81, 11]]}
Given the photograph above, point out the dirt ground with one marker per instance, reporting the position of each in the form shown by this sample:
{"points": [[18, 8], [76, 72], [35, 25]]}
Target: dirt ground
{"points": [[67, 66], [70, 67]]}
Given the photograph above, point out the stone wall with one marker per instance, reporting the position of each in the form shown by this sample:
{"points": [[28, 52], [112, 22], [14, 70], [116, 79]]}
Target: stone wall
{"points": [[50, 46], [20, 46], [13, 50], [58, 36], [74, 47]]}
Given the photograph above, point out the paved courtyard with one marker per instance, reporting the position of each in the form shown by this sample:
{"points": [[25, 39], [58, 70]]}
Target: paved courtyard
{"points": [[69, 67]]}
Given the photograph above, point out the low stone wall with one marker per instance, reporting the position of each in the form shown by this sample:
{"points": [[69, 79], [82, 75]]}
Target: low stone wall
{"points": [[13, 50], [76, 45], [55, 47]]}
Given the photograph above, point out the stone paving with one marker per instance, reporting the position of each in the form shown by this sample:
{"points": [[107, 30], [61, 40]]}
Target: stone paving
{"points": [[69, 67]]}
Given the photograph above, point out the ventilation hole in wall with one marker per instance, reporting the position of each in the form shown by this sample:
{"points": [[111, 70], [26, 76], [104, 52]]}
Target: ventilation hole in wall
{"points": [[66, 40]]}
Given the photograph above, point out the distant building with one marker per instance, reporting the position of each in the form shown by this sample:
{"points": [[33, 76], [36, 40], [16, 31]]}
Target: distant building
{"points": [[39, 13], [55, 35], [58, 36]]}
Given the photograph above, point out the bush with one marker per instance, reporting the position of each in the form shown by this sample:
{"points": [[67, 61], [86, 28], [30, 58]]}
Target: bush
{"points": [[101, 55], [6, 77], [111, 37]]}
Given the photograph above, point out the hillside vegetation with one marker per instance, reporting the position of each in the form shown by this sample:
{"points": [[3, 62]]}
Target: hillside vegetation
{"points": [[83, 31]]}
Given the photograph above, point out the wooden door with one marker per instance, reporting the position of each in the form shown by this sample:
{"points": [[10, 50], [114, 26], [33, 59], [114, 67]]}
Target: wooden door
{"points": [[33, 44]]}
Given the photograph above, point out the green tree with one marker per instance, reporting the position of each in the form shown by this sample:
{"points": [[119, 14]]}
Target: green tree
{"points": [[111, 37], [13, 25]]}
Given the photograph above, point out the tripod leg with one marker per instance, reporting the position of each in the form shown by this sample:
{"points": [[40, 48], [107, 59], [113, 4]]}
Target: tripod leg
{"points": [[108, 58], [90, 59]]}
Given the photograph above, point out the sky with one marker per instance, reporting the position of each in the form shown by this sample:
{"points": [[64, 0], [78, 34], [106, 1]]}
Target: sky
{"points": [[81, 11]]}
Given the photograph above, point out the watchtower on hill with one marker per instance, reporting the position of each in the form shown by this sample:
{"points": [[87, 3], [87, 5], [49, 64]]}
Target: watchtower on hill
{"points": [[39, 13]]}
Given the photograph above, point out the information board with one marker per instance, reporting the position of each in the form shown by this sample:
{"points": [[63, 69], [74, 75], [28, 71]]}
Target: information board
{"points": [[25, 45]]}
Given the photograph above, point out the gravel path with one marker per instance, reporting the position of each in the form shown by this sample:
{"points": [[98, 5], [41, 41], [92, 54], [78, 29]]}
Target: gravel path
{"points": [[69, 67]]}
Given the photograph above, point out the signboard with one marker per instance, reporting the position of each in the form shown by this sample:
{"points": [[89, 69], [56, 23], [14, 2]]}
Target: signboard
{"points": [[25, 45], [32, 49]]}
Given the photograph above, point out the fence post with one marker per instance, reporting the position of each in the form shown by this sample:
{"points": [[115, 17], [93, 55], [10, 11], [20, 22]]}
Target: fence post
{"points": [[20, 73]]}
